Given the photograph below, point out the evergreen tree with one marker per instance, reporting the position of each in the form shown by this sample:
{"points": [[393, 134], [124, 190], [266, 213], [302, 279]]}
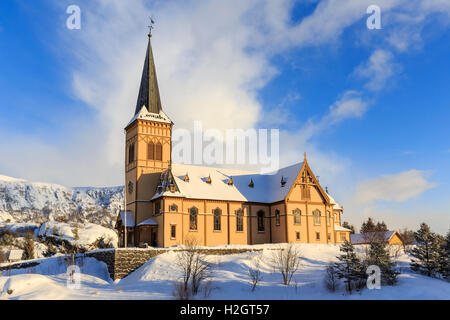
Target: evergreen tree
{"points": [[444, 258], [381, 226], [345, 224], [368, 226], [349, 266], [426, 252], [379, 256]]}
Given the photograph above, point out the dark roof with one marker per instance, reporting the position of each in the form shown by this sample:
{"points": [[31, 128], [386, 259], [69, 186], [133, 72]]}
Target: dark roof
{"points": [[149, 91]]}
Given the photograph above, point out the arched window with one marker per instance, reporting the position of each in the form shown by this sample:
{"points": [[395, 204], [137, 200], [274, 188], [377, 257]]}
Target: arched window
{"points": [[316, 214], [158, 153], [173, 208], [239, 221], [217, 219], [297, 213], [151, 151], [131, 153], [193, 212], [277, 217], [260, 215]]}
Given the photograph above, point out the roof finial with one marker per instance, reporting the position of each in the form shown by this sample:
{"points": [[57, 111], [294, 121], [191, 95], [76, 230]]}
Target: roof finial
{"points": [[305, 155], [151, 27]]}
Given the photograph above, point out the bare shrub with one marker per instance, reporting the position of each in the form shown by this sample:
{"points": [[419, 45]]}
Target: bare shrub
{"points": [[193, 265], [286, 262], [180, 291], [331, 279], [254, 271]]}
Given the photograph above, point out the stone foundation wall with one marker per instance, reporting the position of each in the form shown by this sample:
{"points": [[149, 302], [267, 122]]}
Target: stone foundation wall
{"points": [[122, 262]]}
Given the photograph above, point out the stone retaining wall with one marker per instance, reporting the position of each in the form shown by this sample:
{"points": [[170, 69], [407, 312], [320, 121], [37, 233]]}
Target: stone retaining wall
{"points": [[122, 262]]}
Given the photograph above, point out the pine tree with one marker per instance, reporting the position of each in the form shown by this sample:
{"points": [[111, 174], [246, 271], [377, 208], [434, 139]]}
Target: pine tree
{"points": [[426, 252], [368, 226], [444, 258], [345, 224], [349, 266], [381, 226], [379, 256]]}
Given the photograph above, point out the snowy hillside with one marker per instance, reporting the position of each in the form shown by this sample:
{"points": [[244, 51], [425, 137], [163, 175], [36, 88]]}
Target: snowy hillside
{"points": [[24, 201], [229, 279]]}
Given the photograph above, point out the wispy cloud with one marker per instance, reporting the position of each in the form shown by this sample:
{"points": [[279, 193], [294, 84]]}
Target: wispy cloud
{"points": [[397, 187]]}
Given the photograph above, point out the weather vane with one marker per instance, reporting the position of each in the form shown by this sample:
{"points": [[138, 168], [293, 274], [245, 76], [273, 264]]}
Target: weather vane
{"points": [[151, 26]]}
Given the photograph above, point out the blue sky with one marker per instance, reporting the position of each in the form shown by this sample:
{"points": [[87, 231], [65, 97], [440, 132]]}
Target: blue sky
{"points": [[371, 107]]}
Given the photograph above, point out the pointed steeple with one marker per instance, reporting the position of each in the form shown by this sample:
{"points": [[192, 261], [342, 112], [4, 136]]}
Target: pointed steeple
{"points": [[149, 91]]}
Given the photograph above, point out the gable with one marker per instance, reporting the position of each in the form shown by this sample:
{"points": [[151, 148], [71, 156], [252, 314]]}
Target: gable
{"points": [[307, 187]]}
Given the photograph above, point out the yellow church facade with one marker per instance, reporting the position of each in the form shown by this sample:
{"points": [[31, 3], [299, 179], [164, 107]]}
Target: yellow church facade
{"points": [[167, 203]]}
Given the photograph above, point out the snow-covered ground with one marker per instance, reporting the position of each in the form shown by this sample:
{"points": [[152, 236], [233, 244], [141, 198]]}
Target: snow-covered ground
{"points": [[155, 279]]}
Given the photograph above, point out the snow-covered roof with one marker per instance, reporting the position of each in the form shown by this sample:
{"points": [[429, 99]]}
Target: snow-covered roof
{"points": [[129, 216], [334, 203], [146, 115], [15, 255], [267, 188], [340, 228], [148, 222], [363, 238]]}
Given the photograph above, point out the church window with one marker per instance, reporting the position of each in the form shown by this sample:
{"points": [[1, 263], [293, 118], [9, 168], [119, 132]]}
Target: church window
{"points": [[329, 237], [193, 212], [277, 217], [173, 231], [328, 218], [316, 214], [317, 235], [157, 207], [297, 234], [131, 153], [261, 226], [158, 153], [173, 208], [151, 151], [239, 221], [297, 214], [217, 219]]}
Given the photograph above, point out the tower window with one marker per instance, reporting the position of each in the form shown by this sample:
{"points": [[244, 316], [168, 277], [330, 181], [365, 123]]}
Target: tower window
{"points": [[131, 153], [260, 221], [297, 214], [297, 234], [157, 207], [317, 235], [277, 217], [239, 221], [158, 151], [151, 151], [193, 218], [217, 217], [173, 231]]}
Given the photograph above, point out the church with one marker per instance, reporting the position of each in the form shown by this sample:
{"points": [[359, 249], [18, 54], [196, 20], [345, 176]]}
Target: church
{"points": [[167, 203]]}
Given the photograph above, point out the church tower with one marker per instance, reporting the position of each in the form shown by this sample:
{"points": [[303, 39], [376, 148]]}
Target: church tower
{"points": [[148, 145]]}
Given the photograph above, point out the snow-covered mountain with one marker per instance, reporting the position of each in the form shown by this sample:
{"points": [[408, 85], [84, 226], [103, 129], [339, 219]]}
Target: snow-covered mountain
{"points": [[24, 201]]}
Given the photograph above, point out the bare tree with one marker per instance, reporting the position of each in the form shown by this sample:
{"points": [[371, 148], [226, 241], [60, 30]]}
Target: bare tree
{"points": [[254, 271], [331, 278], [194, 268], [287, 262]]}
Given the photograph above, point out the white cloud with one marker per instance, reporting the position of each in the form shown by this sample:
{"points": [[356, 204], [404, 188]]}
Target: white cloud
{"points": [[397, 187], [378, 70]]}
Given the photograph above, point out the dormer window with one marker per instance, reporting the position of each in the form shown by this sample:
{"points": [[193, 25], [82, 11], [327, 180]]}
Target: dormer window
{"points": [[230, 182], [251, 184], [186, 178], [172, 187], [283, 182], [209, 181]]}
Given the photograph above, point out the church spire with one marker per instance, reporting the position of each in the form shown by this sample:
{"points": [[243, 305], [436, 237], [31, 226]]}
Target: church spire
{"points": [[149, 91]]}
